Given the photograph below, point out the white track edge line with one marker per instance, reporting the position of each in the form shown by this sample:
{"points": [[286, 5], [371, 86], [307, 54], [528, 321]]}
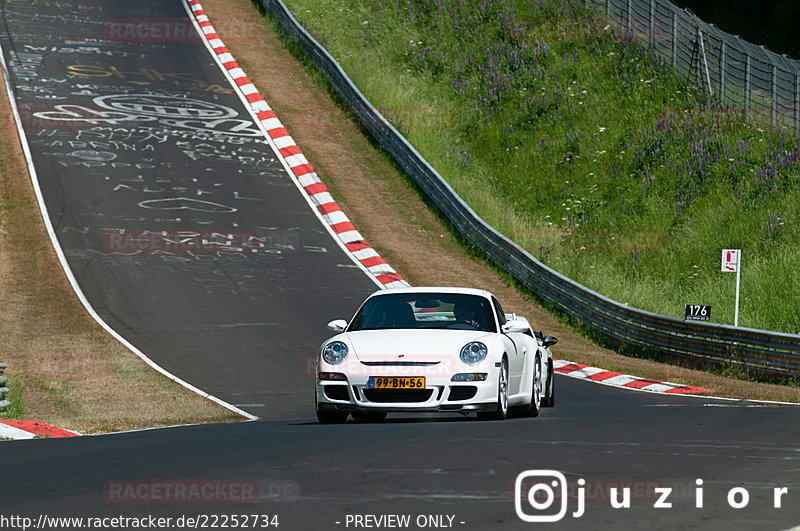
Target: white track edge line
{"points": [[153, 428], [65, 266]]}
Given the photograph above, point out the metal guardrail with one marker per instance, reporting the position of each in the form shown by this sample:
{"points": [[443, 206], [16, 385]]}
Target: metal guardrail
{"points": [[763, 352], [4, 403], [735, 72]]}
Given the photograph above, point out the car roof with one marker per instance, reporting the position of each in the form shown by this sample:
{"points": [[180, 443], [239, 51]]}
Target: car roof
{"points": [[431, 289]]}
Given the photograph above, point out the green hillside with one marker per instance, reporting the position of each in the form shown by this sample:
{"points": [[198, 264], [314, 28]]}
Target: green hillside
{"points": [[568, 137]]}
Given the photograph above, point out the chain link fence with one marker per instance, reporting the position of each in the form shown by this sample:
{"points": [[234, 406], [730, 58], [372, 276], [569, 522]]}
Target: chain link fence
{"points": [[765, 85]]}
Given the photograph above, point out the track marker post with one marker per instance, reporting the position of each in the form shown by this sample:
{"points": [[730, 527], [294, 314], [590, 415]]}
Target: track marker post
{"points": [[732, 262]]}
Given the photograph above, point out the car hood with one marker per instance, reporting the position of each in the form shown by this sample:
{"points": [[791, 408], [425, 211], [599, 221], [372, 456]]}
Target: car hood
{"points": [[411, 345]]}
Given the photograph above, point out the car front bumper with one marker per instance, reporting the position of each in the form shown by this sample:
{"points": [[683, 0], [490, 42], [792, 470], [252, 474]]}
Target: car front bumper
{"points": [[440, 392]]}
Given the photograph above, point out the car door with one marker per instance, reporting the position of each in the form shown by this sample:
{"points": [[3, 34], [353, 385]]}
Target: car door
{"points": [[515, 348]]}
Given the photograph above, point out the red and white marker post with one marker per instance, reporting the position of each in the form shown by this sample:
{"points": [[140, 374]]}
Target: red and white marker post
{"points": [[732, 262]]}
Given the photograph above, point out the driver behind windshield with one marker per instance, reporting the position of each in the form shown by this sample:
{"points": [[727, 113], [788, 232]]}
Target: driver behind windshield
{"points": [[467, 313]]}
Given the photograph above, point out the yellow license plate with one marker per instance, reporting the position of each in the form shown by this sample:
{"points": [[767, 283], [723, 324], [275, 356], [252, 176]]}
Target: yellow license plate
{"points": [[393, 382]]}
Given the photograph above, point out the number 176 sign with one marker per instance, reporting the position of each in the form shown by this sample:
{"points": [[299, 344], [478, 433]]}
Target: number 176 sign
{"points": [[697, 312]]}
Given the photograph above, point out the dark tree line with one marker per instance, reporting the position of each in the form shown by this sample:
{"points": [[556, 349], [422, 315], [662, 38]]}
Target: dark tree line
{"points": [[773, 23]]}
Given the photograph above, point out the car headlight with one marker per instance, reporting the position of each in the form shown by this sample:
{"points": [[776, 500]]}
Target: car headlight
{"points": [[473, 353], [334, 352]]}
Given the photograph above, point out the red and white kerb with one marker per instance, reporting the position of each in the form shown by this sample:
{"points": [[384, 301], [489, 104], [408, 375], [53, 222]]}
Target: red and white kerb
{"points": [[577, 370]]}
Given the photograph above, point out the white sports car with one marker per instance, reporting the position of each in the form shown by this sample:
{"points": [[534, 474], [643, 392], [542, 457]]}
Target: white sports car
{"points": [[433, 349]]}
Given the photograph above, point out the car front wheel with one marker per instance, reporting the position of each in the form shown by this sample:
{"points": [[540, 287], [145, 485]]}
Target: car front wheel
{"points": [[501, 412]]}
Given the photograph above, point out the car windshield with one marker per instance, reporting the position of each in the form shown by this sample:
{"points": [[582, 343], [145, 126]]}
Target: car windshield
{"points": [[451, 311]]}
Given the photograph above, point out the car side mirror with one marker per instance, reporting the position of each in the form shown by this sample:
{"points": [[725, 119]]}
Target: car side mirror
{"points": [[337, 325], [515, 327], [549, 341]]}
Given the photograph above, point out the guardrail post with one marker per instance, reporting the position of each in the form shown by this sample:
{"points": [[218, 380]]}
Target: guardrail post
{"points": [[722, 72], [797, 101], [773, 89], [774, 95], [747, 88], [675, 42], [630, 17], [705, 61], [698, 72]]}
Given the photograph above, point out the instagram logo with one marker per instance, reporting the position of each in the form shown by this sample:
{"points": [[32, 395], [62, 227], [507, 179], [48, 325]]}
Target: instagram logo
{"points": [[537, 493], [543, 495]]}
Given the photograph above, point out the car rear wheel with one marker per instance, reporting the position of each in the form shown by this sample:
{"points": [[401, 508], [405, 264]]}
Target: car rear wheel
{"points": [[549, 399], [331, 417], [536, 389], [501, 412], [369, 416]]}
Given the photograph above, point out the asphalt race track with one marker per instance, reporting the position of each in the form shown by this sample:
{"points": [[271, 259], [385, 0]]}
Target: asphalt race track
{"points": [[313, 476], [138, 143]]}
